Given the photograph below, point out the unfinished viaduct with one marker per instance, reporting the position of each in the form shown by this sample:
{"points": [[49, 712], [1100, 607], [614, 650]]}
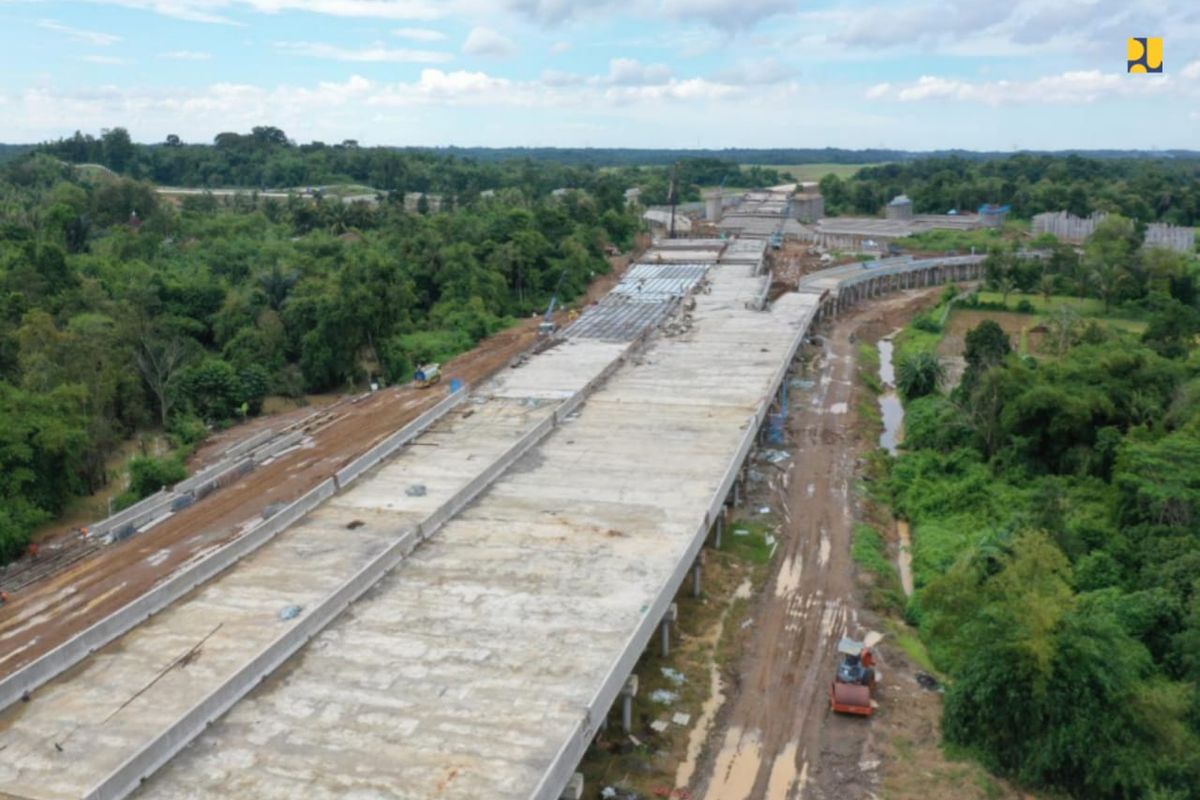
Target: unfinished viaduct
{"points": [[458, 612]]}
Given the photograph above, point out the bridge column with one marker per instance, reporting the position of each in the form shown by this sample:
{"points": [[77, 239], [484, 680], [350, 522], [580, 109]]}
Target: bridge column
{"points": [[627, 695], [696, 577], [574, 788], [665, 628], [718, 529]]}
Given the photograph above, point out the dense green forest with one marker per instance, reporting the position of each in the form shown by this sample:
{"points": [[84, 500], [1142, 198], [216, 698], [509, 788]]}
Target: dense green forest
{"points": [[266, 158], [1145, 190], [1055, 501], [178, 317]]}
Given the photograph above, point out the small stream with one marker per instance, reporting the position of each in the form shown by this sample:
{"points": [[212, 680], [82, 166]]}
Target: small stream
{"points": [[893, 432], [889, 402]]}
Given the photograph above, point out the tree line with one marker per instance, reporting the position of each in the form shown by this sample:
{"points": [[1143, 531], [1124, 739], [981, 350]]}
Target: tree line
{"points": [[1142, 189], [266, 158]]}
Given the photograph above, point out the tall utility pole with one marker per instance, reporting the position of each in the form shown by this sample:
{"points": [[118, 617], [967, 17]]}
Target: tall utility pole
{"points": [[672, 197]]}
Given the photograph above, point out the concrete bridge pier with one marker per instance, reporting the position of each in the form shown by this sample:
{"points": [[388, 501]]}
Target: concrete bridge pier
{"points": [[718, 529], [664, 628], [628, 692], [696, 567]]}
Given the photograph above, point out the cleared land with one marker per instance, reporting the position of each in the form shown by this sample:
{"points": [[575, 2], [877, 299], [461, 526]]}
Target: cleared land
{"points": [[814, 172]]}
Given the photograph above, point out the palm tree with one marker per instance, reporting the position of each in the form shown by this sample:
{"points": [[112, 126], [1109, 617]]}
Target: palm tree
{"points": [[919, 375]]}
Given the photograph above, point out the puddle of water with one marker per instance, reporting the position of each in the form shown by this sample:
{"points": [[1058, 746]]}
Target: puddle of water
{"points": [[904, 557], [887, 370], [783, 774], [716, 696], [708, 714], [790, 573], [737, 766], [889, 402]]}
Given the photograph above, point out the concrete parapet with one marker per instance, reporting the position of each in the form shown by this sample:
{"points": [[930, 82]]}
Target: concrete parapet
{"points": [[246, 445]]}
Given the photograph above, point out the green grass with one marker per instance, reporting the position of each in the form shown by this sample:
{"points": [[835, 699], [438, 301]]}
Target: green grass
{"points": [[961, 241], [1084, 306], [869, 551], [1088, 307], [908, 641], [868, 367], [814, 172], [912, 341], [752, 547]]}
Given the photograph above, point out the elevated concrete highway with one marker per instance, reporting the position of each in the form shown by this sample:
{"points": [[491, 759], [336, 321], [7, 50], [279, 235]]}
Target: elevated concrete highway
{"points": [[456, 617]]}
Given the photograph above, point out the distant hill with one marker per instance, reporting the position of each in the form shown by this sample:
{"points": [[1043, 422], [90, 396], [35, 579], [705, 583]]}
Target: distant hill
{"points": [[10, 151]]}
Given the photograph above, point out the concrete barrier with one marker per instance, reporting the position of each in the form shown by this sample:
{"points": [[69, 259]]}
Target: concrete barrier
{"points": [[369, 459], [83, 644], [276, 445], [135, 514], [227, 474], [246, 445]]}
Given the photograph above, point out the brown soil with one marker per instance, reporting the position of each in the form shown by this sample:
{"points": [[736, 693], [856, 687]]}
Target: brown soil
{"points": [[776, 738], [80, 592]]}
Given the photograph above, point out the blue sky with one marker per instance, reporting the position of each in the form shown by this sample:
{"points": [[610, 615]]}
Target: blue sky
{"points": [[911, 74]]}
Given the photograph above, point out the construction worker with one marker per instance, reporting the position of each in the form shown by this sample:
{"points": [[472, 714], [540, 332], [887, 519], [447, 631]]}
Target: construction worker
{"points": [[3, 597]]}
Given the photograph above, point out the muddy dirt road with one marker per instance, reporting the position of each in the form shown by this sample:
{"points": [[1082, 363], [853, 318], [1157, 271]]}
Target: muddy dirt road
{"points": [[778, 740]]}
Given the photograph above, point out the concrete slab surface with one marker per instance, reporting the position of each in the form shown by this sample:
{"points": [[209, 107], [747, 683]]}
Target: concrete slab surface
{"points": [[467, 670]]}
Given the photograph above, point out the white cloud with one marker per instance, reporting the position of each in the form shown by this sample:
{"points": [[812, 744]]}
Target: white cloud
{"points": [[727, 15], [106, 60], [419, 34], [759, 71], [483, 41], [91, 37], [733, 15], [1191, 72], [558, 48], [186, 55], [347, 109], [217, 11], [374, 53], [878, 91], [1080, 86], [1095, 28], [631, 72]]}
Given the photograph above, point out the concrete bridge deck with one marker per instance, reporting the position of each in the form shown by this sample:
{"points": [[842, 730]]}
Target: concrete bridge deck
{"points": [[121, 700], [481, 662], [481, 666]]}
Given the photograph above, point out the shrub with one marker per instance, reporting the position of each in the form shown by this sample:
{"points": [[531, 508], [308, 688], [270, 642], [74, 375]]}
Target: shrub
{"points": [[919, 374]]}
